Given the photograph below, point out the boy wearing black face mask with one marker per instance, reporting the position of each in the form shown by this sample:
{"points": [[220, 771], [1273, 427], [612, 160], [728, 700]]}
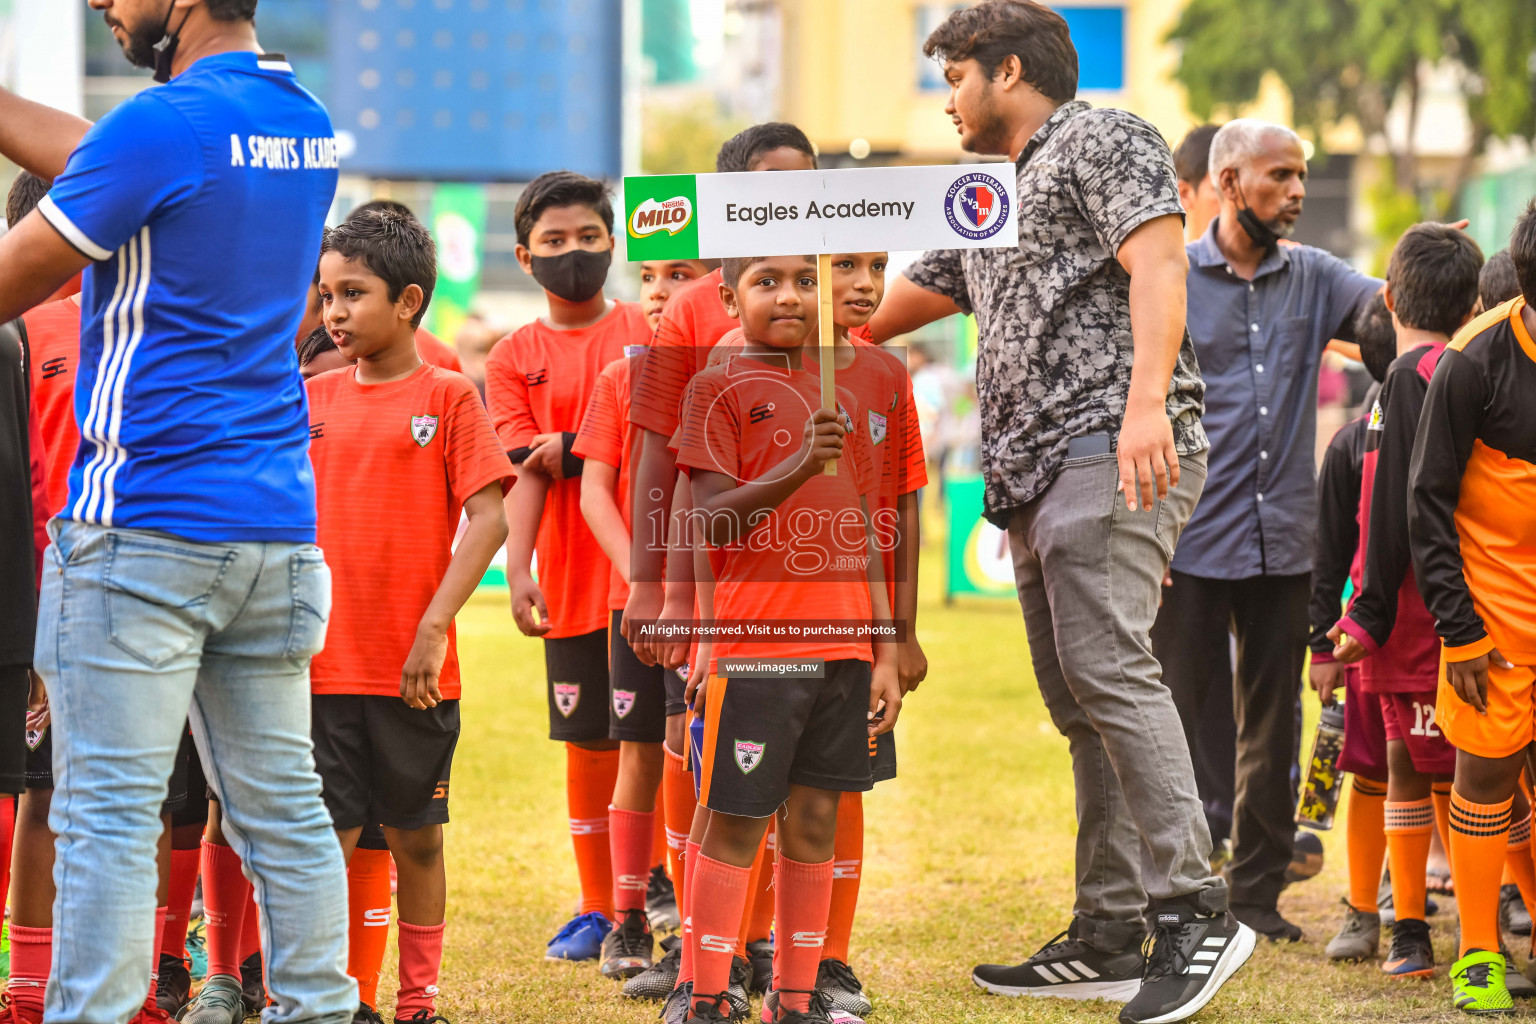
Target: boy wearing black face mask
{"points": [[538, 382]]}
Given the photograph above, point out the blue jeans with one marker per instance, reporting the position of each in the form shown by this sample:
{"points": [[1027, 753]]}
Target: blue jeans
{"points": [[135, 628]]}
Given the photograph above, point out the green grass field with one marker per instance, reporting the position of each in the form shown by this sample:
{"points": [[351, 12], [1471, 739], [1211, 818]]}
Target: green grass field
{"points": [[968, 859]]}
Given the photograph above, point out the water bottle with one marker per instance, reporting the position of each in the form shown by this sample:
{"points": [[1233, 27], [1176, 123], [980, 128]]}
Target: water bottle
{"points": [[1324, 781]]}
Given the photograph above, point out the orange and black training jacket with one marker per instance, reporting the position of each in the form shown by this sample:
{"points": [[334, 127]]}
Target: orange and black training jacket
{"points": [[1472, 490]]}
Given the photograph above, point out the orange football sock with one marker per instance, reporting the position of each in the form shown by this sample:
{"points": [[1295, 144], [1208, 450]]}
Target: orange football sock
{"points": [[690, 944], [368, 906], [847, 869], [1517, 861], [226, 896], [719, 901], [589, 779], [757, 921], [184, 869], [154, 967], [250, 930], [678, 804], [1479, 841], [7, 840], [1365, 842], [421, 960], [631, 835], [1440, 793], [659, 842], [804, 897], [1408, 824], [31, 963]]}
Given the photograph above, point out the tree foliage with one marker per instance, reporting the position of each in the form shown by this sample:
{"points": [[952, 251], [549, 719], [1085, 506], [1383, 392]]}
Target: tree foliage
{"points": [[1355, 58]]}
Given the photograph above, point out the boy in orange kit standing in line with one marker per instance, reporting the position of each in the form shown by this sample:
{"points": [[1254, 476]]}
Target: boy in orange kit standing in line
{"points": [[403, 447], [538, 382], [793, 742], [608, 445]]}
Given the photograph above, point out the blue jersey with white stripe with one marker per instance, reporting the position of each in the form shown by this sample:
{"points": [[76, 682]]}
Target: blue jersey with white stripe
{"points": [[201, 202]]}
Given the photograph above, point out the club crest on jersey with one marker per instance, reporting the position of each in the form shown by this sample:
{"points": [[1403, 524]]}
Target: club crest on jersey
{"points": [[623, 702], [847, 420], [35, 737], [748, 756], [567, 696], [423, 430], [1378, 417], [877, 425]]}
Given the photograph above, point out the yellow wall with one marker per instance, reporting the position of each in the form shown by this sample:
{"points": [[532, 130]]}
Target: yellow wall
{"points": [[850, 71]]}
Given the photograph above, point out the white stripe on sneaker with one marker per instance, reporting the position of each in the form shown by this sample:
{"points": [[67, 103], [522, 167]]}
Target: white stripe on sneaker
{"points": [[1065, 972], [1217, 942], [1084, 969], [1199, 968], [1047, 975], [1207, 954]]}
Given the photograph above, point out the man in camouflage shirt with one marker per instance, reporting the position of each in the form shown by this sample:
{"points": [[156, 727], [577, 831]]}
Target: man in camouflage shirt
{"points": [[1093, 457]]}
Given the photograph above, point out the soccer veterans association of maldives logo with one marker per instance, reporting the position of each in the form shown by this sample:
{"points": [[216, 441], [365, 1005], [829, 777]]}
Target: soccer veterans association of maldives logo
{"points": [[567, 696], [748, 755], [623, 702], [423, 430], [877, 427], [977, 206]]}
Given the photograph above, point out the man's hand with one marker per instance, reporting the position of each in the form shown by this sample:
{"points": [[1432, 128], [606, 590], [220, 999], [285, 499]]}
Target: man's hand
{"points": [[418, 679], [1147, 456], [547, 456], [1470, 678], [1346, 649], [823, 441], [1325, 677], [884, 695], [646, 599], [527, 599], [911, 665]]}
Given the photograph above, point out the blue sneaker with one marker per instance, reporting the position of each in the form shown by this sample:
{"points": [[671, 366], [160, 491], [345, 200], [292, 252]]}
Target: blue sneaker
{"points": [[197, 952], [580, 939]]}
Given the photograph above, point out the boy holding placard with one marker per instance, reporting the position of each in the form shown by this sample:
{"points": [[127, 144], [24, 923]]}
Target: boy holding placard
{"points": [[790, 742]]}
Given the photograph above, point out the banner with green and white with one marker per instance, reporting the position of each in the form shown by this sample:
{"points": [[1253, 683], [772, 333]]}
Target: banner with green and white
{"points": [[778, 213]]}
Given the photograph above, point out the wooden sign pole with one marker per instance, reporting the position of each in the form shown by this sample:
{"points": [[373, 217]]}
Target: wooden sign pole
{"points": [[827, 328]]}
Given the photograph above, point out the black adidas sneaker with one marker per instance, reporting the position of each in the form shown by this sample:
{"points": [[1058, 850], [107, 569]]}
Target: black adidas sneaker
{"points": [[1067, 968], [1189, 957]]}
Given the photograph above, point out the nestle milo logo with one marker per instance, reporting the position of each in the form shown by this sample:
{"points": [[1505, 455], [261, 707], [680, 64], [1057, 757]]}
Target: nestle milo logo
{"points": [[671, 215]]}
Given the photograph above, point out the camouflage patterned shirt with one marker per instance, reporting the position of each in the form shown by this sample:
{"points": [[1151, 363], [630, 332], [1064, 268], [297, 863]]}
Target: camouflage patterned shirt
{"points": [[1054, 315]]}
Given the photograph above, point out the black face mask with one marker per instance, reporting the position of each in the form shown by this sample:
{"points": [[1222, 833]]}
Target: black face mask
{"points": [[1260, 233], [574, 276], [143, 51]]}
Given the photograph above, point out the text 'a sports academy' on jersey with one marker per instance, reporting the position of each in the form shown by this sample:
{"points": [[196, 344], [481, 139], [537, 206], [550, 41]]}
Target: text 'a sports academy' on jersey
{"points": [[200, 203]]}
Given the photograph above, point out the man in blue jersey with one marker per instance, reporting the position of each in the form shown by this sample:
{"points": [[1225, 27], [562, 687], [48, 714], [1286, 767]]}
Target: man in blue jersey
{"points": [[183, 571]]}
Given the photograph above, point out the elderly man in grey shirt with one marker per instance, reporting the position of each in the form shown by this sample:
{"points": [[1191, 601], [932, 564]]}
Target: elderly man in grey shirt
{"points": [[1260, 313]]}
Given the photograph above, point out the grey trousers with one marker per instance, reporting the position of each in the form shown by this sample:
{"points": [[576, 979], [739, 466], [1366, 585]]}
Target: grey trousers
{"points": [[1089, 574]]}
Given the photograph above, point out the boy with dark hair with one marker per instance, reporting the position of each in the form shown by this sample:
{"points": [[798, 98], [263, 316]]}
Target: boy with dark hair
{"points": [[538, 382], [608, 445], [1472, 484], [403, 446], [1431, 290], [880, 385], [1197, 193], [429, 346], [693, 322], [793, 742], [1337, 563], [1497, 283]]}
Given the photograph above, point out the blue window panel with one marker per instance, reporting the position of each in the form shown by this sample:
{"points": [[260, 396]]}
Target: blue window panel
{"points": [[473, 90], [1097, 32]]}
